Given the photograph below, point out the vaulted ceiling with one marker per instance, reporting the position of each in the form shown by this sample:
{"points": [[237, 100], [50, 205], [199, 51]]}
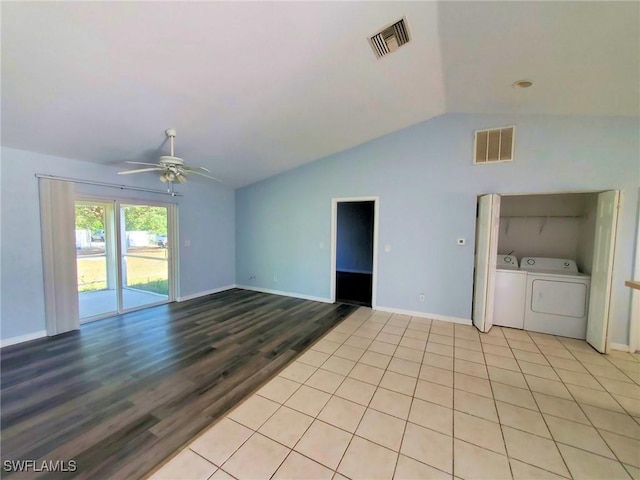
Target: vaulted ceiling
{"points": [[258, 88]]}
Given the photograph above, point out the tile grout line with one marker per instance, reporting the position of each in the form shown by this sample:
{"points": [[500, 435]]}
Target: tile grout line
{"points": [[281, 405], [404, 430], [292, 449], [495, 405], [353, 435], [580, 406], [385, 370], [564, 462]]}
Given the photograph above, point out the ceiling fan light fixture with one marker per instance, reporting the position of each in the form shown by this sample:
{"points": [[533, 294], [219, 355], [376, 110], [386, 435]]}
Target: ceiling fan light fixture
{"points": [[523, 84]]}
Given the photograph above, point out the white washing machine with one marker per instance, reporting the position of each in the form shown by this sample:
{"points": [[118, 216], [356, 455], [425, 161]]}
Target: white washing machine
{"points": [[557, 297], [510, 290]]}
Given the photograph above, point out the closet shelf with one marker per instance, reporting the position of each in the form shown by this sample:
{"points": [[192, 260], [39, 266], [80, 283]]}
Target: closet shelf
{"points": [[541, 216], [544, 218]]}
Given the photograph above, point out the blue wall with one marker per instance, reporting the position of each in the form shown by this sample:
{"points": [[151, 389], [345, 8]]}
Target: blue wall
{"points": [[354, 239], [428, 189], [206, 217]]}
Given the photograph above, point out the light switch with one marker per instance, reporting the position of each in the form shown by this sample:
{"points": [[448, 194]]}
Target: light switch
{"points": [[187, 243], [321, 244], [387, 248]]}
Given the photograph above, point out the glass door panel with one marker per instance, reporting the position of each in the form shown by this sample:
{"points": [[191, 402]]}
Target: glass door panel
{"points": [[97, 282], [144, 255]]}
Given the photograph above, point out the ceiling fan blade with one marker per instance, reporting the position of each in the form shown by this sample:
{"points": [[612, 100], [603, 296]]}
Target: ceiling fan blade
{"points": [[205, 175], [140, 170], [143, 163], [194, 169]]}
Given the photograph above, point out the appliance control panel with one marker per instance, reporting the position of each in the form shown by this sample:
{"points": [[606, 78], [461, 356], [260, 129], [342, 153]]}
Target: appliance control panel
{"points": [[548, 264], [507, 261]]}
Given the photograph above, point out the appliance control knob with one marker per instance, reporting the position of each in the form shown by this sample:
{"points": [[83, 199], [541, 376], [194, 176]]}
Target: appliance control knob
{"points": [[507, 259], [531, 261]]}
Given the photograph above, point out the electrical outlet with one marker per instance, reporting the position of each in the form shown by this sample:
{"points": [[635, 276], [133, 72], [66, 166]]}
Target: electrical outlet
{"points": [[253, 277], [275, 278], [421, 297]]}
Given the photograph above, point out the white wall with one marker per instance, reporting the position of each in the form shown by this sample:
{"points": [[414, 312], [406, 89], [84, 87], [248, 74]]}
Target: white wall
{"points": [[428, 189], [206, 216]]}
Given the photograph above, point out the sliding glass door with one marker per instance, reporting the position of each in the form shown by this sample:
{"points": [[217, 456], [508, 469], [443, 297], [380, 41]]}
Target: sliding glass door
{"points": [[95, 259], [123, 256], [145, 255]]}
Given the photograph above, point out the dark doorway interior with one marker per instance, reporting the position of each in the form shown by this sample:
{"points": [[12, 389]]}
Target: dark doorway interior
{"points": [[354, 254]]}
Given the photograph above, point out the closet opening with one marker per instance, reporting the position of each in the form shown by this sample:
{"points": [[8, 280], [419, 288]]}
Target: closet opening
{"points": [[544, 263]]}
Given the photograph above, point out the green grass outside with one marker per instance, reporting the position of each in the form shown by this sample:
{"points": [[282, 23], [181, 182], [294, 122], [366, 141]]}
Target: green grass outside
{"points": [[142, 273]]}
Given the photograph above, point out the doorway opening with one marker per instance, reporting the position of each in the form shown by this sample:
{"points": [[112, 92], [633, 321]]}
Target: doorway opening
{"points": [[123, 256], [354, 247]]}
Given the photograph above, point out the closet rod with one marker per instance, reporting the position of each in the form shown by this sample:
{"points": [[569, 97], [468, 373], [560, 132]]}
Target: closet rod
{"points": [[111, 185], [541, 216]]}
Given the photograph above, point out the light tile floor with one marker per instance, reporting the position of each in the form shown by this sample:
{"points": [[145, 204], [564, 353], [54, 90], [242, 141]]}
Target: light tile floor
{"points": [[391, 396]]}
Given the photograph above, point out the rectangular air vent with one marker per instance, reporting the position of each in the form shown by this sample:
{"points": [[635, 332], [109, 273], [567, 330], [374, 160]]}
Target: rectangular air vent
{"points": [[389, 39], [494, 145]]}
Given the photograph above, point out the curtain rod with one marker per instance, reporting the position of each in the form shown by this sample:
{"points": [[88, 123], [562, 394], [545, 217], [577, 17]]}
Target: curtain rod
{"points": [[112, 185]]}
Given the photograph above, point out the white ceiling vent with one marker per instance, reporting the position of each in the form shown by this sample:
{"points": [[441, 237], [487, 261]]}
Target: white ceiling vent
{"points": [[389, 39], [494, 145]]}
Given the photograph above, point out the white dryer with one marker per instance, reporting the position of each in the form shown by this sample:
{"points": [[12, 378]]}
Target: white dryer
{"points": [[510, 290], [557, 297]]}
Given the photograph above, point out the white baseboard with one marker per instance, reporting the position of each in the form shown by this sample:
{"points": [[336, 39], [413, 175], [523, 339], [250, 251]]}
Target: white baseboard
{"points": [[433, 316], [285, 294], [208, 292], [22, 338], [619, 346]]}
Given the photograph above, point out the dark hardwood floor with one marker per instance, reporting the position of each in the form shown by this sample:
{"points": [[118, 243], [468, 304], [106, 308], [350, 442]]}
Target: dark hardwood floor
{"points": [[124, 393]]}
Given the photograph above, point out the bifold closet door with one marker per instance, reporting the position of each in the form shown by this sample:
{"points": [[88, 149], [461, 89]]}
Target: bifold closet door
{"points": [[602, 270], [487, 231]]}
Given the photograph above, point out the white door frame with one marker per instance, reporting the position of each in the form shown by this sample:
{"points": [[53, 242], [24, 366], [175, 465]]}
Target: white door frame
{"points": [[334, 240], [634, 327]]}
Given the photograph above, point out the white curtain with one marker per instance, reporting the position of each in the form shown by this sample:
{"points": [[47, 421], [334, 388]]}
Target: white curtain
{"points": [[57, 220]]}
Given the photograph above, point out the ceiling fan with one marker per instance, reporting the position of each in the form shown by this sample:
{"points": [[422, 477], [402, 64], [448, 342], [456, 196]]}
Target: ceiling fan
{"points": [[173, 168]]}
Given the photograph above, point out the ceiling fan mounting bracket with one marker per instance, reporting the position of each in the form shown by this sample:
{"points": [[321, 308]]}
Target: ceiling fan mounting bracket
{"points": [[171, 160]]}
